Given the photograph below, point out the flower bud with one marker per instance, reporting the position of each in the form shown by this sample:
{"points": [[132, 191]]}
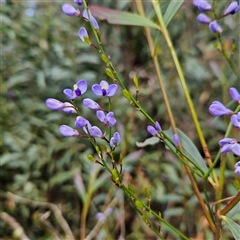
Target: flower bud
{"points": [[78, 2], [217, 109], [67, 131], [91, 104], [203, 18], [82, 33], [234, 94], [69, 10], [215, 27], [54, 104], [232, 8]]}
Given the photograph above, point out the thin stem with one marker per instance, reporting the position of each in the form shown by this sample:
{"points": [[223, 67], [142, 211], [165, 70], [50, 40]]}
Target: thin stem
{"points": [[230, 205], [221, 180], [128, 192]]}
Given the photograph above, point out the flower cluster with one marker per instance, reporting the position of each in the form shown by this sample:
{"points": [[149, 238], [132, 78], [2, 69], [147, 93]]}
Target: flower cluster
{"points": [[217, 109], [107, 118], [69, 10], [202, 18]]}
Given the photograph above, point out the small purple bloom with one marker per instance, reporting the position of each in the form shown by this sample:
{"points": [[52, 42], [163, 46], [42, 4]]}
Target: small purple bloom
{"points": [[203, 18], [69, 10], [204, 6], [154, 130], [82, 32], [104, 89], [230, 144], [234, 94], [115, 140], [67, 131], [217, 109], [95, 132], [91, 104], [81, 122], [100, 216], [175, 140], [235, 119], [78, 89], [54, 104], [237, 168], [69, 108], [232, 8], [78, 2], [215, 27], [158, 127], [107, 119], [92, 19]]}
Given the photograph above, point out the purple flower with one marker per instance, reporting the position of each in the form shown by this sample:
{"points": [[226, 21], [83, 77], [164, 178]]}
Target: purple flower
{"points": [[175, 140], [92, 19], [202, 5], [100, 216], [69, 10], [78, 89], [234, 94], [232, 8], [230, 144], [82, 33], [81, 122], [237, 168], [235, 119], [91, 104], [78, 2], [115, 140], [69, 108], [154, 130], [95, 132], [67, 131], [203, 18], [107, 119], [217, 109], [215, 27], [104, 89], [54, 104]]}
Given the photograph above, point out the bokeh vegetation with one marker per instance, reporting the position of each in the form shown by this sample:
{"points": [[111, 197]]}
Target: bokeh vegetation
{"points": [[41, 55]]}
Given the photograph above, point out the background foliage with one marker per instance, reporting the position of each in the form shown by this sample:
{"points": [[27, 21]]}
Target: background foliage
{"points": [[42, 55]]}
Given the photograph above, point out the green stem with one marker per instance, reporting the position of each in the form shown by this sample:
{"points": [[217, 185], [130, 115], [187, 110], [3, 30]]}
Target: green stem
{"points": [[219, 190], [223, 50], [128, 192]]}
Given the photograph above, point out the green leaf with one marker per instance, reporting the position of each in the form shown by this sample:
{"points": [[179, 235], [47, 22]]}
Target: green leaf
{"points": [[121, 18], [171, 10], [234, 227], [148, 141], [189, 149]]}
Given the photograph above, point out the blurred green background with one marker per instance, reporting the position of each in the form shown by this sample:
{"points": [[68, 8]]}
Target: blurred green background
{"points": [[41, 54]]}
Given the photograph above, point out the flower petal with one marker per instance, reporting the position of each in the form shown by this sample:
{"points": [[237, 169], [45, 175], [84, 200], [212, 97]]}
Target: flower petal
{"points": [[91, 104], [95, 132], [97, 89], [67, 131], [112, 90], [68, 93], [82, 85], [54, 104]]}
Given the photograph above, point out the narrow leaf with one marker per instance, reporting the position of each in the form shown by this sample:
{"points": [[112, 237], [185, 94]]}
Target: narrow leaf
{"points": [[234, 227], [189, 148], [171, 10], [148, 141], [121, 18]]}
